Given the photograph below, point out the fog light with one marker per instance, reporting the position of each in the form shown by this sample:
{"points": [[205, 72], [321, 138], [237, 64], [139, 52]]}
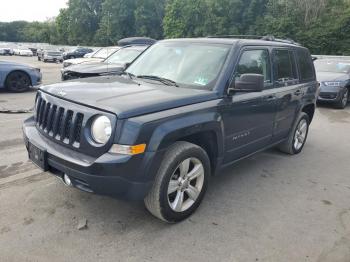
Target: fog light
{"points": [[67, 180]]}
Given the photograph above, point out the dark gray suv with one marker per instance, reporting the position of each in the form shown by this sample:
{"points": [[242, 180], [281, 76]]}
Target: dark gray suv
{"points": [[180, 112], [334, 77]]}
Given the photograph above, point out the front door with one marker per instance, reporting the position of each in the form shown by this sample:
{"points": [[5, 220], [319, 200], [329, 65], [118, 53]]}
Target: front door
{"points": [[249, 116]]}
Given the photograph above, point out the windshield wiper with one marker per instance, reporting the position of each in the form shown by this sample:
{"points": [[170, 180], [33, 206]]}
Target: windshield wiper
{"points": [[130, 75], [159, 79]]}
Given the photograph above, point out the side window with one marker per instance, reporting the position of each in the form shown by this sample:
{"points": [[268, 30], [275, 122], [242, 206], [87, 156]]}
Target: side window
{"points": [[306, 66], [284, 65], [255, 62]]}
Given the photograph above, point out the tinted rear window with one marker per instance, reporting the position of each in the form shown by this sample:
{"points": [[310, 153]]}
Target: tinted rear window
{"points": [[284, 65], [305, 65]]}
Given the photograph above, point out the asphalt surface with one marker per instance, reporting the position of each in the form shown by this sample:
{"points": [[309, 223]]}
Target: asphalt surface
{"points": [[270, 207]]}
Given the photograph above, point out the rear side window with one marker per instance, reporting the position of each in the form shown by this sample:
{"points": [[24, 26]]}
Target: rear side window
{"points": [[255, 62], [284, 65], [305, 65]]}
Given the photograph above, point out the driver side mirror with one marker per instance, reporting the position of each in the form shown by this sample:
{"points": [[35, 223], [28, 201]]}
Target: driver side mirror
{"points": [[248, 83]]}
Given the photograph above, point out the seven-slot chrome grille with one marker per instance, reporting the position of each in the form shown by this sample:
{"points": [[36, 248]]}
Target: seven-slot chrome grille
{"points": [[58, 122]]}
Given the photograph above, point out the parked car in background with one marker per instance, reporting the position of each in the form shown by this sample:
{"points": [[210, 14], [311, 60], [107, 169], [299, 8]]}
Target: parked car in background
{"points": [[136, 41], [114, 64], [97, 56], [18, 77], [334, 77], [76, 53], [34, 50], [184, 109], [52, 55], [24, 52], [88, 55], [6, 51], [39, 53]]}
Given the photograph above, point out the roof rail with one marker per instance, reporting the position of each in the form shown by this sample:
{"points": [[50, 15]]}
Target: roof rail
{"points": [[257, 37], [236, 36]]}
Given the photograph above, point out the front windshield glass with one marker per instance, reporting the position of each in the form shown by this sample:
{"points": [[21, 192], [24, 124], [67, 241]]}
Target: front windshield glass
{"points": [[104, 52], [332, 66], [194, 65], [123, 56]]}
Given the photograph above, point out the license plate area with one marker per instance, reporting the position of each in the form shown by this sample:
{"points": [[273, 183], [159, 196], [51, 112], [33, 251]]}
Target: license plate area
{"points": [[38, 156]]}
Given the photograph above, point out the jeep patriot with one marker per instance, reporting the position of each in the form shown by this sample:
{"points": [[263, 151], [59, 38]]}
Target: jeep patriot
{"points": [[180, 112]]}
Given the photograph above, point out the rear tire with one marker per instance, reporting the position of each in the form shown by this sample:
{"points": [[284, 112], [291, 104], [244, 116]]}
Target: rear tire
{"points": [[180, 183], [343, 101], [297, 137], [17, 82]]}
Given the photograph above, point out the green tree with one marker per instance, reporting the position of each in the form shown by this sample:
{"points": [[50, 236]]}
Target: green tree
{"points": [[117, 21], [149, 16]]}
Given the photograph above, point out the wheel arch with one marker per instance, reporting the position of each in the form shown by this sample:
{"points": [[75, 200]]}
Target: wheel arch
{"points": [[203, 130], [18, 70], [309, 109]]}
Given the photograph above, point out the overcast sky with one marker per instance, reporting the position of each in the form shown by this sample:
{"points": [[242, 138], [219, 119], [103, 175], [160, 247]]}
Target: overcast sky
{"points": [[29, 10]]}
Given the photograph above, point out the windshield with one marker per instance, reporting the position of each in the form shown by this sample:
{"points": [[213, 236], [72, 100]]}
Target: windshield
{"points": [[104, 52], [194, 65], [332, 66], [123, 56]]}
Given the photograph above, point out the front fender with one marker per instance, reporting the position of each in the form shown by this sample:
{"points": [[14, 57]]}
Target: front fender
{"points": [[176, 129]]}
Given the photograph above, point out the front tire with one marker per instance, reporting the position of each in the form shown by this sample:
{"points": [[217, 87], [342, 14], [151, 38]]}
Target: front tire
{"points": [[343, 101], [180, 183], [297, 137]]}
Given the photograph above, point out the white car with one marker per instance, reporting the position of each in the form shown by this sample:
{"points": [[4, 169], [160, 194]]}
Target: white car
{"points": [[25, 52], [97, 56]]}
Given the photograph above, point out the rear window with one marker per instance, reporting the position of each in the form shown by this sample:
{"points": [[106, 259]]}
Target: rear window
{"points": [[305, 65], [284, 65]]}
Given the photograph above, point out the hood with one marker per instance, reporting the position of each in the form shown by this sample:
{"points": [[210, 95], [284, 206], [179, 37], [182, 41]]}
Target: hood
{"points": [[14, 64], [125, 97], [84, 60], [330, 76], [95, 68]]}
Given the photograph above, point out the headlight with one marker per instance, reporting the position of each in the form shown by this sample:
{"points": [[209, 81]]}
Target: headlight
{"points": [[335, 84], [101, 129]]}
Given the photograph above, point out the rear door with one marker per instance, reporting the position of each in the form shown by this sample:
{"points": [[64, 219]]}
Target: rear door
{"points": [[287, 89], [249, 116]]}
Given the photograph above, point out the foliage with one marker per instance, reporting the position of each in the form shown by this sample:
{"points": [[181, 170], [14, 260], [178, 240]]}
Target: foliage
{"points": [[321, 25]]}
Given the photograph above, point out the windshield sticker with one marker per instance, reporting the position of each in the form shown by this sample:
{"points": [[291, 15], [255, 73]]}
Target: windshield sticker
{"points": [[201, 81]]}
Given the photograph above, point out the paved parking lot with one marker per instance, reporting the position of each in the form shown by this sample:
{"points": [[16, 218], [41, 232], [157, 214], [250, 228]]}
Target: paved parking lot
{"points": [[270, 207]]}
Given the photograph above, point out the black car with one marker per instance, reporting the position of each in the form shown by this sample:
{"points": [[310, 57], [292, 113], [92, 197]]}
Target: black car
{"points": [[6, 51], [184, 109], [113, 64], [77, 53], [334, 77]]}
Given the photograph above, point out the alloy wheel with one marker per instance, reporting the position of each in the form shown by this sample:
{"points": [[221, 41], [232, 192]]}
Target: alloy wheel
{"points": [[185, 184], [300, 134], [345, 97]]}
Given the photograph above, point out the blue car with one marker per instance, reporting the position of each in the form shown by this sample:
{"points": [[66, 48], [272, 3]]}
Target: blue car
{"points": [[18, 77]]}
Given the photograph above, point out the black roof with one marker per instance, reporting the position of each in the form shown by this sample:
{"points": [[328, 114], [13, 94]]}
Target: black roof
{"points": [[136, 41]]}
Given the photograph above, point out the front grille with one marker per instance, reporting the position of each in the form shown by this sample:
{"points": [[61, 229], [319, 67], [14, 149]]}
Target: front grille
{"points": [[325, 95], [58, 122]]}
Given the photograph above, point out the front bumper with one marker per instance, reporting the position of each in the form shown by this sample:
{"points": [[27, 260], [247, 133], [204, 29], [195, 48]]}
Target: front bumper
{"points": [[330, 94], [120, 176], [53, 58]]}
